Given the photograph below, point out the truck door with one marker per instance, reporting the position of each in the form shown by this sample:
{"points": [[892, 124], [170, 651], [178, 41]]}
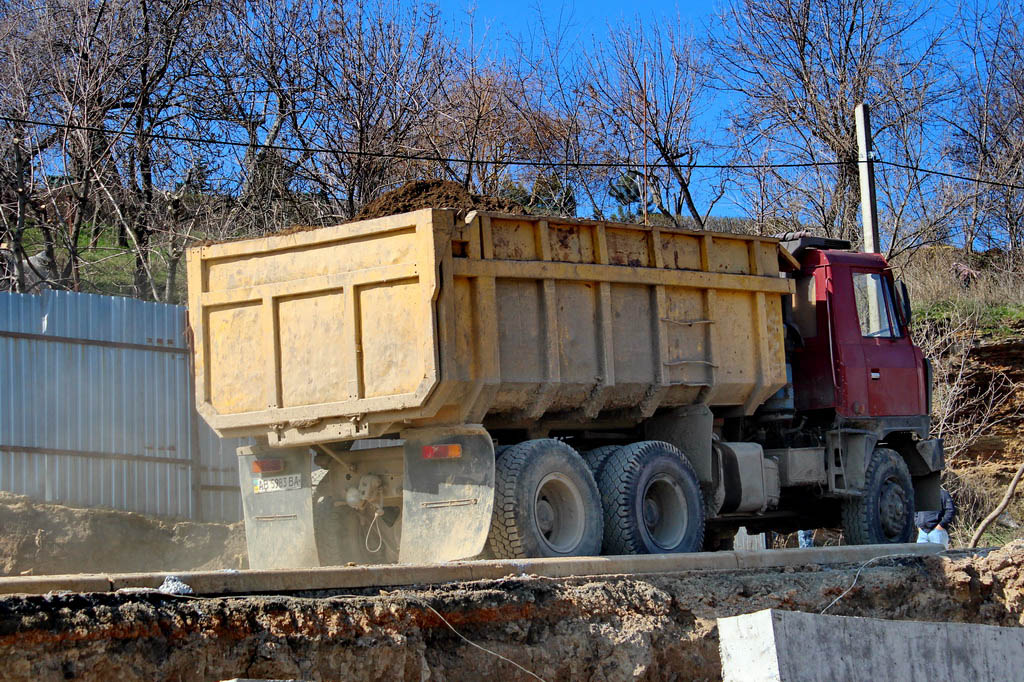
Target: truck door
{"points": [[891, 361]]}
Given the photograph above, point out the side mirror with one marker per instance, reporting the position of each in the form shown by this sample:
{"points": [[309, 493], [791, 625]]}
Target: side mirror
{"points": [[903, 299]]}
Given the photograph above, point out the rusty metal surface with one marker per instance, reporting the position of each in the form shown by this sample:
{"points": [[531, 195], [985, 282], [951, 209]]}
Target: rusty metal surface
{"points": [[262, 581], [96, 409]]}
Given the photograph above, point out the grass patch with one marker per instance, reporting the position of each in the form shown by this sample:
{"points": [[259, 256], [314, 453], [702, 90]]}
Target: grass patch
{"points": [[997, 321], [109, 268]]}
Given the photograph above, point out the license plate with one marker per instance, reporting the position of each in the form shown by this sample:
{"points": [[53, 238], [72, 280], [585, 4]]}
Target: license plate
{"points": [[277, 483]]}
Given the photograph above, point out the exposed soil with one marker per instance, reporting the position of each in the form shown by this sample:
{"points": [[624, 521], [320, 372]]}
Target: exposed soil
{"points": [[434, 194], [39, 538], [646, 627], [1002, 447]]}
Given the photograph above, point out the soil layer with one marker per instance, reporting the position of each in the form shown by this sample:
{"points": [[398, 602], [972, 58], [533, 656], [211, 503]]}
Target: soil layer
{"points": [[641, 627], [434, 194]]}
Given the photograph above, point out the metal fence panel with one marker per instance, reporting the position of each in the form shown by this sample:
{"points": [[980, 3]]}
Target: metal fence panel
{"points": [[97, 409]]}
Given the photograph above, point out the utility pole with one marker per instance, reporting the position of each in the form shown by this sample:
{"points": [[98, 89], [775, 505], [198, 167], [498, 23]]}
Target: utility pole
{"points": [[868, 208], [645, 141], [866, 165]]}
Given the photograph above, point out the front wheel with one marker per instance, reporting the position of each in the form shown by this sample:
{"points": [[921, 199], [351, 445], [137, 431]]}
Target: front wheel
{"points": [[885, 513]]}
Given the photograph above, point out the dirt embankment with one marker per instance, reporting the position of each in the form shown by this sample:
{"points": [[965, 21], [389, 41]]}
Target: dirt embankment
{"points": [[39, 538], [1002, 446], [648, 627]]}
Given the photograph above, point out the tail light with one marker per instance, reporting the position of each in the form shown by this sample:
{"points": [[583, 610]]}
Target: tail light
{"points": [[447, 451], [268, 466]]}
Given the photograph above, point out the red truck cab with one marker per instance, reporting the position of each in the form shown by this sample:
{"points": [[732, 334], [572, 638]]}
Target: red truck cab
{"points": [[856, 355]]}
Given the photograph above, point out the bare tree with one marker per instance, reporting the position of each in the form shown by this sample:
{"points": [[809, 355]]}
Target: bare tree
{"points": [[256, 89], [646, 86], [482, 122], [106, 83], [379, 68], [988, 129], [801, 67]]}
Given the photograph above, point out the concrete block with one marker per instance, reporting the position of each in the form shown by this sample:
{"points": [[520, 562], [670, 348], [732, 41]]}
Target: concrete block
{"points": [[788, 646]]}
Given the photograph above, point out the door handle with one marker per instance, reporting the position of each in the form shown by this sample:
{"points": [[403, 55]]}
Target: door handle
{"points": [[875, 374]]}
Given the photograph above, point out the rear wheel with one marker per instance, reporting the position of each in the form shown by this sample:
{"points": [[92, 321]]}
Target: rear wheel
{"points": [[652, 501], [546, 503], [596, 458], [885, 513]]}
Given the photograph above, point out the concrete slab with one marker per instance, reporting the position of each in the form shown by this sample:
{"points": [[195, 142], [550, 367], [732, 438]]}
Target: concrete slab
{"points": [[788, 646], [285, 580]]}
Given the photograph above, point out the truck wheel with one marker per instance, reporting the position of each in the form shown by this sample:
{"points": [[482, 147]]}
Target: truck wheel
{"points": [[546, 503], [885, 513], [596, 458], [652, 501], [339, 530]]}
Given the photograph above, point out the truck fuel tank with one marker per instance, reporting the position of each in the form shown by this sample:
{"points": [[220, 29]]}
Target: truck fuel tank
{"points": [[751, 480]]}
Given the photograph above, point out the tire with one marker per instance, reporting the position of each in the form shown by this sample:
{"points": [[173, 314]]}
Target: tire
{"points": [[340, 531], [885, 513], [596, 458], [652, 501], [546, 503]]}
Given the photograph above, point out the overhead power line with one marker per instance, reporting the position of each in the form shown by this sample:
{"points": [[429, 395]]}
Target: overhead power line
{"points": [[406, 157], [507, 162], [946, 174]]}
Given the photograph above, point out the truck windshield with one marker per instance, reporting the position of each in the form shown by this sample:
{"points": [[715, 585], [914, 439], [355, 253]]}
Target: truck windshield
{"points": [[874, 305]]}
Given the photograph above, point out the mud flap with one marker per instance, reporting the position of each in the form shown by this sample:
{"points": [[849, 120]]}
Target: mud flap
{"points": [[448, 493], [278, 507]]}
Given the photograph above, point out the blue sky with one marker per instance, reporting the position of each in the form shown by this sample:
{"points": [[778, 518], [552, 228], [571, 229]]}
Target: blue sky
{"points": [[497, 22], [586, 18], [584, 21]]}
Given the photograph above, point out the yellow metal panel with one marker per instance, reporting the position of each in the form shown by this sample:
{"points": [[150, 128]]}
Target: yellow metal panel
{"points": [[281, 323], [729, 255], [520, 330], [686, 328], [681, 251], [635, 352], [768, 258], [427, 318], [626, 275], [628, 247], [578, 336], [391, 321], [236, 346], [572, 243], [314, 368], [514, 239], [299, 262], [735, 340]]}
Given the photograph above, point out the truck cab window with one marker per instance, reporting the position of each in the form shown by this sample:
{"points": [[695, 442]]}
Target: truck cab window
{"points": [[874, 306]]}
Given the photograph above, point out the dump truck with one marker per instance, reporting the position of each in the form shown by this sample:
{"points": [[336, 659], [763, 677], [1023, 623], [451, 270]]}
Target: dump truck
{"points": [[443, 385]]}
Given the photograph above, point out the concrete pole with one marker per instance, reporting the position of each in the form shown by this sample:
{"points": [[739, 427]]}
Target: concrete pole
{"points": [[869, 210]]}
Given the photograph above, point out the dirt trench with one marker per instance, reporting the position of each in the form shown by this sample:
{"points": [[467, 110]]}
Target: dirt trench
{"points": [[617, 628]]}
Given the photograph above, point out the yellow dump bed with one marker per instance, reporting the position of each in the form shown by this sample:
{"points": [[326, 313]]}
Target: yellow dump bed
{"points": [[432, 318]]}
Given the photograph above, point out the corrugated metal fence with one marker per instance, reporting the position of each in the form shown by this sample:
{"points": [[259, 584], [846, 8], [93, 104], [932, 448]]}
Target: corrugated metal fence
{"points": [[96, 409]]}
